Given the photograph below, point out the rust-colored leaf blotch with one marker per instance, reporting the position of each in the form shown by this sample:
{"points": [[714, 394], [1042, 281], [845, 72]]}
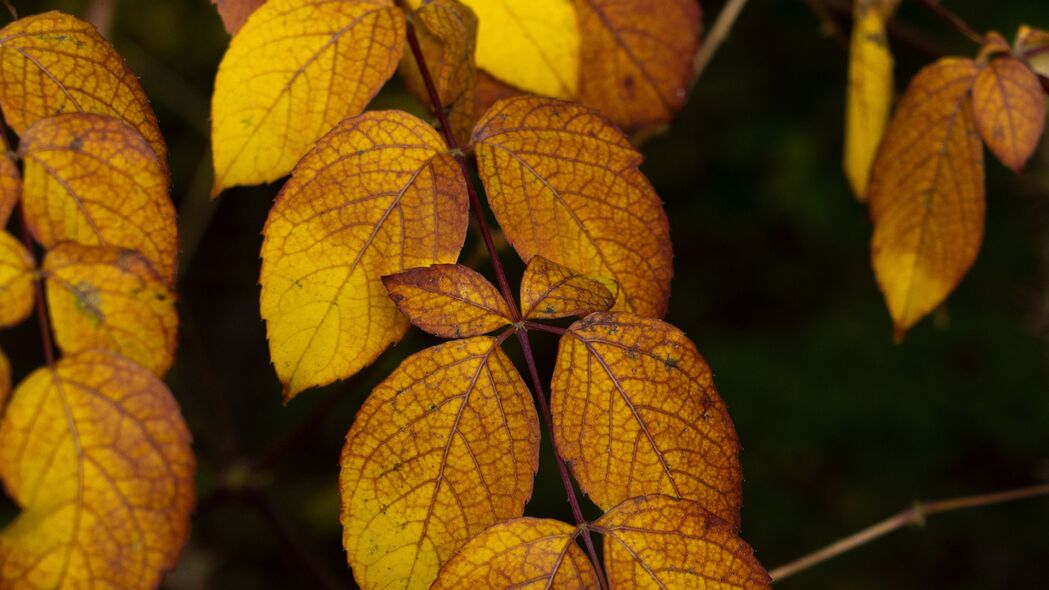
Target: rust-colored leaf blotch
{"points": [[564, 184], [1009, 110], [448, 300], [635, 413], [17, 273], [10, 184], [549, 290], [445, 447], [525, 553], [97, 455]]}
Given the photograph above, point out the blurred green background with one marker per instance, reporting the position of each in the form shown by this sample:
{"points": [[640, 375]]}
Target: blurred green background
{"points": [[840, 427]]}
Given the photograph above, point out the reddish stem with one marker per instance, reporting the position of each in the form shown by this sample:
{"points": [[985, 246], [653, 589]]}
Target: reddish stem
{"points": [[41, 306], [545, 328], [954, 20]]}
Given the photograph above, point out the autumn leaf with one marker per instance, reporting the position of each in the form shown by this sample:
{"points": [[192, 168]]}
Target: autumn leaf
{"points": [[98, 457], [549, 290], [490, 91], [564, 184], [378, 195], [1033, 46], [1009, 110], [443, 448], [294, 71], [636, 58], [671, 544], [112, 299], [448, 300], [525, 553], [235, 12], [54, 63], [10, 183], [927, 193], [93, 180], [5, 380], [17, 273]]}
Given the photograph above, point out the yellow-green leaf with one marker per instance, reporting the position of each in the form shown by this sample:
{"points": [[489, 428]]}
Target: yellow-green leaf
{"points": [[448, 300], [17, 273], [549, 290]]}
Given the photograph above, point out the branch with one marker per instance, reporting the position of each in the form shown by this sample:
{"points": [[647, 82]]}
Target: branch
{"points": [[953, 20], [717, 35]]}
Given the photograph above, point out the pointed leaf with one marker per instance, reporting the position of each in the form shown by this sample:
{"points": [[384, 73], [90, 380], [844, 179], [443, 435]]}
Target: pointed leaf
{"points": [[525, 553], [927, 193], [445, 447], [564, 184], [10, 184], [448, 300], [1033, 46], [293, 72], [549, 290], [235, 12], [17, 273], [1009, 110], [98, 457], [378, 195]]}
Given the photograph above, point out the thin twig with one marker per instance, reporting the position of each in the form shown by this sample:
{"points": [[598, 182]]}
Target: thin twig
{"points": [[717, 35], [954, 20], [545, 328], [11, 8], [100, 13], [38, 290]]}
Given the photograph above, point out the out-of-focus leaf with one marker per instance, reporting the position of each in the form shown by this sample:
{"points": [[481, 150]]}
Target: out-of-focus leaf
{"points": [[1009, 110], [17, 273]]}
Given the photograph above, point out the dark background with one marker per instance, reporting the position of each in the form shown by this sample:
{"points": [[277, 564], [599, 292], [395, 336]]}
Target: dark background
{"points": [[840, 426]]}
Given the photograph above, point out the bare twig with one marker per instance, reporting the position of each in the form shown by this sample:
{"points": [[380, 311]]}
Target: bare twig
{"points": [[100, 13], [717, 35], [954, 20], [11, 8]]}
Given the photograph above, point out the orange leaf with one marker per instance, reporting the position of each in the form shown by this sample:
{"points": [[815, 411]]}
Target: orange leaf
{"points": [[636, 413], [10, 183], [549, 290], [671, 544], [296, 69], [93, 180], [564, 184], [490, 91], [17, 273], [112, 299], [927, 193], [98, 457], [55, 63], [378, 195], [1009, 110], [445, 447], [5, 379], [1033, 46], [534, 553], [235, 12], [636, 58], [448, 300]]}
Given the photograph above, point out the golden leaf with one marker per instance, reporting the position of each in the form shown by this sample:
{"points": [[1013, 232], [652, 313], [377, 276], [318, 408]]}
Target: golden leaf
{"points": [[235, 12], [564, 184], [671, 544], [443, 448], [376, 196], [524, 553], [10, 183], [636, 413], [96, 453], [1033, 46], [293, 72], [112, 299], [93, 180], [549, 290], [448, 300], [1009, 110], [927, 193], [636, 58], [5, 380], [54, 63], [17, 273]]}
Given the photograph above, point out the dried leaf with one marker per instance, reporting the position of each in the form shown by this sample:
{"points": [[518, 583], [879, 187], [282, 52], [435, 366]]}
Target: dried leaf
{"points": [[549, 290], [293, 72], [1009, 110], [376, 196], [445, 447], [10, 183], [448, 300], [235, 12], [17, 273], [927, 193], [96, 453], [524, 553], [1033, 46], [636, 413], [564, 184]]}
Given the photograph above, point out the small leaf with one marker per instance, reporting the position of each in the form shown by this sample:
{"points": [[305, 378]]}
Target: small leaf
{"points": [[293, 72], [1009, 110], [235, 12], [93, 180], [927, 193], [520, 553], [448, 300], [670, 544], [564, 184], [55, 63], [376, 196], [112, 299], [5, 380], [1033, 46], [549, 290], [98, 457], [17, 273], [445, 447], [636, 413], [10, 183]]}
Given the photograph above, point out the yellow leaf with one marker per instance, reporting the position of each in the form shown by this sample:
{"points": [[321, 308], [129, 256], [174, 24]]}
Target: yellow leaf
{"points": [[17, 273], [669, 544], [1009, 110], [927, 193], [448, 300], [378, 195], [523, 553], [564, 184], [10, 183], [112, 299], [295, 70], [445, 447], [636, 60], [636, 413], [55, 63], [869, 90], [98, 457], [235, 12], [1033, 46], [549, 290], [93, 180], [5, 380]]}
